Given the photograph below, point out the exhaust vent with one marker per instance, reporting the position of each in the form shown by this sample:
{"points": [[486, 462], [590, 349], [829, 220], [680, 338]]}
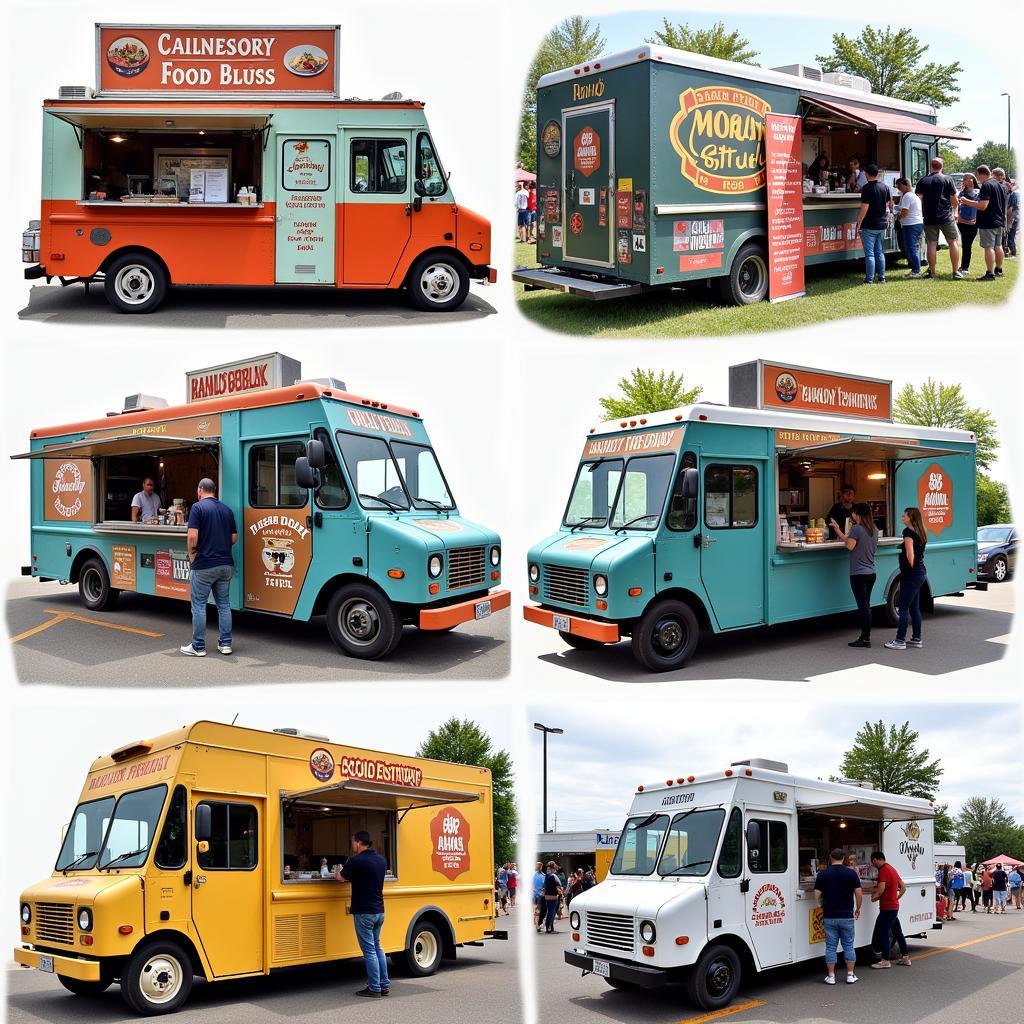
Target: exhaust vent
{"points": [[75, 92], [859, 783], [809, 71], [142, 403], [762, 762], [392, 97], [302, 735], [857, 82]]}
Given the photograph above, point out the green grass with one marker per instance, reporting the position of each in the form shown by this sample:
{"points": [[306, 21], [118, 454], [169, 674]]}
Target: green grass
{"points": [[834, 292]]}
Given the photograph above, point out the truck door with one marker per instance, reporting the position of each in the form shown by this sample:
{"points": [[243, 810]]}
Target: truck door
{"points": [[588, 181], [304, 244], [726, 901], [732, 539], [377, 206], [227, 883], [769, 877]]}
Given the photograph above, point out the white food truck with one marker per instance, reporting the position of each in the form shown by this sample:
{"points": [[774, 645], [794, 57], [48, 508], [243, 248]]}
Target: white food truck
{"points": [[714, 875]]}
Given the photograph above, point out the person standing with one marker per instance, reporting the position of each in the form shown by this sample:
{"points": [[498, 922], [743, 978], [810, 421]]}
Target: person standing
{"points": [[839, 893], [967, 220], [913, 576], [872, 222], [1015, 886], [211, 536], [991, 207], [531, 209], [538, 895], [968, 890], [522, 212], [862, 541], [146, 503], [502, 883], [977, 894], [1012, 220], [513, 883], [366, 869], [956, 886], [986, 888], [553, 890], [889, 890], [939, 205], [856, 179], [911, 224], [1000, 885]]}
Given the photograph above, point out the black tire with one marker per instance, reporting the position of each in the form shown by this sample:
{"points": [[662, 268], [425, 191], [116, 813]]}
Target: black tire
{"points": [[135, 283], [622, 986], [84, 988], [438, 284], [425, 952], [891, 608], [94, 587], [999, 570], [747, 281], [715, 978], [666, 636], [362, 622], [157, 979], [581, 643]]}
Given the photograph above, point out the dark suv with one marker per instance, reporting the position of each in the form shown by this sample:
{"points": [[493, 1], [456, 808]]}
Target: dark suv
{"points": [[997, 551]]}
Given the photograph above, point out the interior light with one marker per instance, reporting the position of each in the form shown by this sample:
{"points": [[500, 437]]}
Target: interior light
{"points": [[876, 476], [117, 138], [202, 131], [842, 823]]}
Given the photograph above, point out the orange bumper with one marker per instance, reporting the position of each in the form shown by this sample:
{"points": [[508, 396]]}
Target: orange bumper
{"points": [[592, 629], [492, 275], [465, 611]]}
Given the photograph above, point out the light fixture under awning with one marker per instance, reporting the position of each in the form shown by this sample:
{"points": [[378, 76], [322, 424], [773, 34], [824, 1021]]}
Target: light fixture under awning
{"points": [[120, 444], [866, 810], [156, 120], [854, 449], [355, 793], [883, 120]]}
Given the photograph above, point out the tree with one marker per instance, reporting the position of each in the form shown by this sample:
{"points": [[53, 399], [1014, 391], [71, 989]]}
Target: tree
{"points": [[945, 827], [995, 154], [888, 760], [985, 829], [952, 161], [891, 62], [935, 404], [466, 743], [711, 42], [573, 41], [993, 501], [649, 391]]}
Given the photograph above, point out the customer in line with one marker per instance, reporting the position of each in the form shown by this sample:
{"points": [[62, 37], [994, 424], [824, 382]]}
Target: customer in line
{"points": [[967, 892], [967, 220], [991, 207], [1000, 888], [1012, 219], [889, 890], [1015, 887], [365, 870], [553, 891], [839, 893], [986, 888], [862, 540], [872, 221], [939, 204], [911, 224], [913, 576]]}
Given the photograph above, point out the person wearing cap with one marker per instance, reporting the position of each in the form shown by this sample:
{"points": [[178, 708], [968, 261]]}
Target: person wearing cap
{"points": [[839, 894], [365, 870]]}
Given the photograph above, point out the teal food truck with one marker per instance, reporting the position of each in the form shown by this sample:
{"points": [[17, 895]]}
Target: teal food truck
{"points": [[342, 507], [712, 517], [651, 170]]}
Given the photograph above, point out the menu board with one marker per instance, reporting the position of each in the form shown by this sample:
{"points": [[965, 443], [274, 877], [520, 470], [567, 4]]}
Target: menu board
{"points": [[785, 207], [180, 163]]}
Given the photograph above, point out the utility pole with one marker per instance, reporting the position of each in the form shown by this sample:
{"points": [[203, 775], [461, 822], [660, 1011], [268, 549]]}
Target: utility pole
{"points": [[1007, 95], [557, 732]]}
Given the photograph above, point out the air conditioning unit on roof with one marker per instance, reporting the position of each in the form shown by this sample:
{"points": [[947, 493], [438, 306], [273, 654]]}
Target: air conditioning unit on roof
{"points": [[848, 81], [325, 382], [142, 403], [302, 734], [762, 762], [809, 71]]}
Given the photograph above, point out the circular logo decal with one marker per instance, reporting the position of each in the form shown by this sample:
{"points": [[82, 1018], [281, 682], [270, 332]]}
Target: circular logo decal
{"points": [[576, 223], [128, 56], [769, 906], [67, 488], [551, 139], [321, 764], [306, 60], [584, 544], [785, 387]]}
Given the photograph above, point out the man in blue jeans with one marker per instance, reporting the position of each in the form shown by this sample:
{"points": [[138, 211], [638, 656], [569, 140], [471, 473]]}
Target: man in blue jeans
{"points": [[839, 893], [365, 869], [211, 535], [872, 222]]}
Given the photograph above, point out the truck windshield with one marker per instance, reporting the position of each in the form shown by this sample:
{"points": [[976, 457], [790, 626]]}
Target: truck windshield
{"points": [[691, 843], [422, 475], [641, 498], [373, 472], [84, 836], [639, 845], [132, 828], [593, 493]]}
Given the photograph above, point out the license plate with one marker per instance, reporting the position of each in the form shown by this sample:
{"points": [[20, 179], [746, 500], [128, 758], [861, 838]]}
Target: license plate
{"points": [[560, 622], [46, 964], [602, 968], [483, 609]]}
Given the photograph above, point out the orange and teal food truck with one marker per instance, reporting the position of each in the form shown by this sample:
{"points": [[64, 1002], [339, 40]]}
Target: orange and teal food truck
{"points": [[210, 155]]}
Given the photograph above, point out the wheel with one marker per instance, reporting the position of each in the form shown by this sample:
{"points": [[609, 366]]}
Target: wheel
{"points": [[715, 978], [891, 609], [1000, 568], [581, 643], [94, 586], [158, 979], [84, 988], [747, 281], [622, 986], [362, 622], [438, 284], [135, 283], [666, 636], [423, 957]]}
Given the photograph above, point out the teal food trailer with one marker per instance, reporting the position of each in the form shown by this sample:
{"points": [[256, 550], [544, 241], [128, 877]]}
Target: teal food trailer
{"points": [[341, 504], [709, 517], [651, 169]]}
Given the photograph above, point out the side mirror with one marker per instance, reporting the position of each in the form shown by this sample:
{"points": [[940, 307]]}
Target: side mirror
{"points": [[305, 476], [315, 453], [203, 846], [204, 822], [419, 188], [753, 835], [690, 484]]}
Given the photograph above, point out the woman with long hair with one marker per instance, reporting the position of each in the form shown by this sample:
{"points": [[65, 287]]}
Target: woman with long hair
{"points": [[967, 221], [862, 541], [913, 576]]}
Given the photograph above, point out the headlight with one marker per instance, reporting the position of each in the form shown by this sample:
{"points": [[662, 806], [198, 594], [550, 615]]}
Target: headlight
{"points": [[534, 573], [435, 566], [85, 919], [26, 913], [648, 932], [601, 585], [574, 921], [495, 555]]}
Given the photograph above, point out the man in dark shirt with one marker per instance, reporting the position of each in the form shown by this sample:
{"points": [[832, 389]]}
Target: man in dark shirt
{"points": [[839, 892], [991, 207], [939, 205], [366, 869], [552, 890], [999, 887], [872, 221], [841, 510], [211, 536]]}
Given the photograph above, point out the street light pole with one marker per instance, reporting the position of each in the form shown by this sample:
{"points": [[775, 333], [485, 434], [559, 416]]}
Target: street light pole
{"points": [[557, 732], [1007, 95]]}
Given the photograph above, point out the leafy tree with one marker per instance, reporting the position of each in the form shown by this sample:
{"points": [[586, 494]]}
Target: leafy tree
{"points": [[935, 404], [985, 828], [466, 743], [945, 827], [952, 161], [993, 501], [711, 42], [572, 41], [891, 62], [995, 154], [888, 759], [649, 391]]}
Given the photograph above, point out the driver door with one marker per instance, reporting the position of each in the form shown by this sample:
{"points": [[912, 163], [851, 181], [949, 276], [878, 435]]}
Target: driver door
{"points": [[768, 876]]}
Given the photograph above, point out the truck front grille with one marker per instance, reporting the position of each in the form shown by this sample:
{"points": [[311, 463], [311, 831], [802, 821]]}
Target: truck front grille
{"points": [[613, 931], [465, 568], [55, 922], [565, 584]]}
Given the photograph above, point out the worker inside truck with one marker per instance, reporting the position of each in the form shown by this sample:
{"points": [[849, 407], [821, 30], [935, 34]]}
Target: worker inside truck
{"points": [[319, 835], [821, 832], [811, 488], [124, 483]]}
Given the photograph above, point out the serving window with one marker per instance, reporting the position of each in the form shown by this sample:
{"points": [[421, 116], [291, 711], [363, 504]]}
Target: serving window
{"points": [[175, 474], [822, 832], [315, 835]]}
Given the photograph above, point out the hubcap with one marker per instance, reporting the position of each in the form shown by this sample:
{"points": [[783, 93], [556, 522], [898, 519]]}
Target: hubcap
{"points": [[719, 977], [999, 570], [438, 282], [134, 284], [359, 621], [669, 635], [92, 585], [751, 275], [161, 978], [425, 949]]}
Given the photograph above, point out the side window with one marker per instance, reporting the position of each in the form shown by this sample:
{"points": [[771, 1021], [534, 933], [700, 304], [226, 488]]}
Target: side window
{"points": [[730, 497], [272, 476], [172, 847], [428, 167], [771, 854], [731, 858], [918, 163], [682, 512], [333, 492], [378, 165], [233, 840]]}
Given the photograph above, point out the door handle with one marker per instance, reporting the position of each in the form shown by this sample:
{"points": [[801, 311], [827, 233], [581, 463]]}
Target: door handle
{"points": [[200, 880], [187, 878], [316, 519], [745, 885]]}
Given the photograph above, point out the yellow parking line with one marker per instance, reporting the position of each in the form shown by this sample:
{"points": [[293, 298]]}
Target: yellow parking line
{"points": [[750, 1004], [964, 945], [58, 617], [100, 622]]}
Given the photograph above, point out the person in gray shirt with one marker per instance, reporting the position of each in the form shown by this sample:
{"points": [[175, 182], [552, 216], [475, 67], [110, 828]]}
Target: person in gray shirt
{"points": [[862, 540], [146, 504]]}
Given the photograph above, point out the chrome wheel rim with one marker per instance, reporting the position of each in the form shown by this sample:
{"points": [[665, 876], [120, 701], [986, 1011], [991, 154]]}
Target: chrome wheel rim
{"points": [[92, 585], [161, 978], [999, 570], [438, 282], [134, 284], [752, 275], [424, 949], [359, 621]]}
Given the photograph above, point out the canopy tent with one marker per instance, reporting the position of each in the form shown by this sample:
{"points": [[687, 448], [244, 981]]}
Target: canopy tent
{"points": [[523, 175], [1005, 859]]}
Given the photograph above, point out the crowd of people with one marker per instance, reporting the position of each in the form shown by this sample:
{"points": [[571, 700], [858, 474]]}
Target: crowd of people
{"points": [[554, 891], [506, 885], [526, 211], [992, 886]]}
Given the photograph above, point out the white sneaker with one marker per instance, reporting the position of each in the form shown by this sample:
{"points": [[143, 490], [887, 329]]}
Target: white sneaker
{"points": [[224, 648], [830, 979], [852, 979], [192, 652]]}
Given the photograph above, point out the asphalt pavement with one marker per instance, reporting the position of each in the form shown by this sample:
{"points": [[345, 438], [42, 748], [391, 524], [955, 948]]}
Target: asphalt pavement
{"points": [[970, 971], [55, 639]]}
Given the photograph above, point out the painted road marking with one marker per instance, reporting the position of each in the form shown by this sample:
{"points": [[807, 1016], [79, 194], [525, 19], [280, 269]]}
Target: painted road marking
{"points": [[750, 1004], [38, 629], [964, 945], [59, 616]]}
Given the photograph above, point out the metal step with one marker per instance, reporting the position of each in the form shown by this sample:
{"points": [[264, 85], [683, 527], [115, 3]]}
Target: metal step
{"points": [[587, 287]]}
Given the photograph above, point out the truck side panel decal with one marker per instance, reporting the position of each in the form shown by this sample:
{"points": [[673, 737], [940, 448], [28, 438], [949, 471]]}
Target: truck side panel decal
{"points": [[278, 548]]}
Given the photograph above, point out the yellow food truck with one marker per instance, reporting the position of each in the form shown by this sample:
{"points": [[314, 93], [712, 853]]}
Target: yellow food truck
{"points": [[209, 852]]}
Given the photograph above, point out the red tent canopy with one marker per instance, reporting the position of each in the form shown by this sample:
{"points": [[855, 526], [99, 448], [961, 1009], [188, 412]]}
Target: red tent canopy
{"points": [[886, 120], [1004, 859], [522, 175]]}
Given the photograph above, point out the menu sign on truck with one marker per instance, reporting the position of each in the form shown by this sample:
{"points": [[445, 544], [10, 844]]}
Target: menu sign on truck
{"points": [[783, 148]]}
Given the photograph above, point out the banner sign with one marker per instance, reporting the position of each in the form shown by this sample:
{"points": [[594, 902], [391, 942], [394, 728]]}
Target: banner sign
{"points": [[449, 841], [935, 499], [783, 148], [260, 373], [647, 442]]}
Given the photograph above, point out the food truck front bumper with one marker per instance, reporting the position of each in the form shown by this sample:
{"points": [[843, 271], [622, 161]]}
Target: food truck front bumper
{"points": [[465, 611], [604, 967], [586, 287], [51, 963], [577, 625]]}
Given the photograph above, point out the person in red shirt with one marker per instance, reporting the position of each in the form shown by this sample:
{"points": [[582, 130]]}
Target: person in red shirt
{"points": [[889, 890]]}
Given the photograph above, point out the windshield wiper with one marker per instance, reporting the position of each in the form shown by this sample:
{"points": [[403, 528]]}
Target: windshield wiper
{"points": [[635, 519], [647, 821], [686, 867], [391, 506], [83, 856], [436, 504], [583, 522], [123, 856]]}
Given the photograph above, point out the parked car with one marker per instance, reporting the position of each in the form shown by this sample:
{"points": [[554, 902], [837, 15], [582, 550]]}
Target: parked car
{"points": [[958, 179], [997, 551]]}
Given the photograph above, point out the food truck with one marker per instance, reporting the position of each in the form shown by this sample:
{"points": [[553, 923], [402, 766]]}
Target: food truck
{"points": [[713, 878], [712, 517], [655, 168], [340, 501], [210, 852], [218, 155]]}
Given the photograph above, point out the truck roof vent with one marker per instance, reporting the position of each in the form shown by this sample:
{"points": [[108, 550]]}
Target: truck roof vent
{"points": [[859, 783], [857, 82], [303, 735], [325, 382], [75, 92], [762, 762], [810, 71], [140, 403], [392, 97]]}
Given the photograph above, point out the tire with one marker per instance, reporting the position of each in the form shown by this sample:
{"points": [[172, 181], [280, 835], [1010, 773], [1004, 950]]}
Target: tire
{"points": [[84, 988], [135, 283], [747, 281], [715, 978], [666, 636], [891, 609], [362, 622], [999, 570], [581, 643], [158, 979], [438, 284], [94, 587], [622, 986], [423, 957]]}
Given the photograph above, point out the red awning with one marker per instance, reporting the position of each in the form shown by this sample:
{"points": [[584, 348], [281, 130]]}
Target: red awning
{"points": [[885, 120], [524, 175], [1006, 861]]}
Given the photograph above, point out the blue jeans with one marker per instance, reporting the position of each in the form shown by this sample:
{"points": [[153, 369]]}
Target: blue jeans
{"points": [[550, 910], [911, 242], [368, 934], [836, 929], [874, 257], [887, 928], [201, 582], [910, 603]]}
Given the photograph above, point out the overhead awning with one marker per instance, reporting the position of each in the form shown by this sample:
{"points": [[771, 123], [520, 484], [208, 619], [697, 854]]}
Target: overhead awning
{"points": [[864, 810], [882, 120], [167, 120], [355, 793], [853, 449], [120, 444]]}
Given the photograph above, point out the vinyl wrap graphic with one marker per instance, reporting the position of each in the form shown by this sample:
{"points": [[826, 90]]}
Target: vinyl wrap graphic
{"points": [[67, 490], [449, 843], [278, 549]]}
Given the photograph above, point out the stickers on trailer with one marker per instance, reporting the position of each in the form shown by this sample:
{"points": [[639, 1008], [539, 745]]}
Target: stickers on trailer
{"points": [[700, 243], [624, 185], [816, 925], [278, 549], [624, 209], [552, 208], [624, 248], [911, 846], [171, 570], [586, 151], [640, 210], [935, 499], [602, 207], [307, 165], [67, 490], [768, 907], [551, 139], [321, 764], [449, 843], [639, 243], [829, 238], [576, 223], [588, 197], [122, 567], [556, 236]]}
